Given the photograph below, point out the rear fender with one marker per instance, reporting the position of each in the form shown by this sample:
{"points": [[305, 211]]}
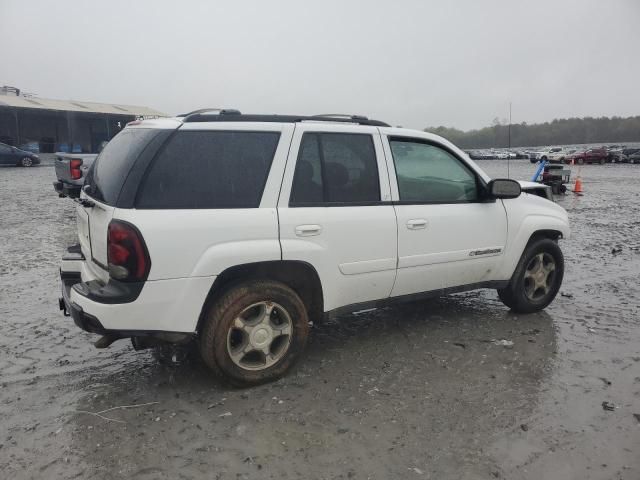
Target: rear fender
{"points": [[219, 257]]}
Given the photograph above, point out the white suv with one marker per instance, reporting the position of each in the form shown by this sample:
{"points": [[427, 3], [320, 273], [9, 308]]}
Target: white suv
{"points": [[239, 230]]}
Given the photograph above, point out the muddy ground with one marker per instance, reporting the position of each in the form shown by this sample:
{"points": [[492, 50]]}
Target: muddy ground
{"points": [[417, 391]]}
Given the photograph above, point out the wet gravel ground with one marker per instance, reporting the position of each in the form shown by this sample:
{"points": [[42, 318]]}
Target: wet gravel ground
{"points": [[418, 391]]}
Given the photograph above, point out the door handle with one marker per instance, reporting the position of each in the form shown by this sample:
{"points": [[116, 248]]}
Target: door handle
{"points": [[308, 230], [416, 224]]}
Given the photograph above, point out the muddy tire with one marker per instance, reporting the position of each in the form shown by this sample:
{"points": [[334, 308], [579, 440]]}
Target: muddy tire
{"points": [[254, 332], [26, 162], [537, 278]]}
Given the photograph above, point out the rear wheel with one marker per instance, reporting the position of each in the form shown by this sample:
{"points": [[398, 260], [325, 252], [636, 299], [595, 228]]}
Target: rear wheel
{"points": [[537, 278], [26, 162], [602, 160], [254, 332]]}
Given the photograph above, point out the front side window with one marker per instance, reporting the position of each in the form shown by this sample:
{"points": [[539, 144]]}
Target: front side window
{"points": [[209, 169], [427, 173], [335, 168]]}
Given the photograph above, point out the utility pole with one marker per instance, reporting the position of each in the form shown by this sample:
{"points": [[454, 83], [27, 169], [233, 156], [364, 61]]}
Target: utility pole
{"points": [[509, 148]]}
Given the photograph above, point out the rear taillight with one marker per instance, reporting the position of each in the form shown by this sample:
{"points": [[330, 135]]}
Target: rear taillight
{"points": [[75, 165], [127, 253]]}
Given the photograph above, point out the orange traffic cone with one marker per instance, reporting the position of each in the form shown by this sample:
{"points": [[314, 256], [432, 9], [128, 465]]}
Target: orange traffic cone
{"points": [[577, 188]]}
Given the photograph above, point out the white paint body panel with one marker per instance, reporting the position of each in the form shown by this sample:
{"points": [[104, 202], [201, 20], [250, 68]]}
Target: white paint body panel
{"points": [[361, 253], [431, 236], [452, 234], [198, 243], [355, 250]]}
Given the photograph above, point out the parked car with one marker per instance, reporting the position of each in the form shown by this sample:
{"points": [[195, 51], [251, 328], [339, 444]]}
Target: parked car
{"points": [[237, 231], [593, 155], [71, 170], [621, 155], [15, 156], [560, 155], [543, 154], [632, 156]]}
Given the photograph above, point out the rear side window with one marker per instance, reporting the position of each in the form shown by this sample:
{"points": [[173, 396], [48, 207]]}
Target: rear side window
{"points": [[108, 173], [210, 169], [335, 168]]}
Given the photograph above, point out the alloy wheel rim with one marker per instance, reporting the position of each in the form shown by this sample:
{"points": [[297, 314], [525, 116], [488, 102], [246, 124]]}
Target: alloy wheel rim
{"points": [[539, 276], [259, 336], [26, 161]]}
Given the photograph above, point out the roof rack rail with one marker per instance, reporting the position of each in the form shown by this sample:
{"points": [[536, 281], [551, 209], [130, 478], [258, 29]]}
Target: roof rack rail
{"points": [[220, 111], [342, 115], [222, 115]]}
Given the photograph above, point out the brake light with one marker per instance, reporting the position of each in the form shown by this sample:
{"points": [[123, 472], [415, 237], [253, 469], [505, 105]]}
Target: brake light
{"points": [[75, 165], [127, 253]]}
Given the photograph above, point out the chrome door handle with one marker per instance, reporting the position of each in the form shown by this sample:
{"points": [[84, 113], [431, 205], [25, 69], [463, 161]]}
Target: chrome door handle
{"points": [[308, 230], [416, 224]]}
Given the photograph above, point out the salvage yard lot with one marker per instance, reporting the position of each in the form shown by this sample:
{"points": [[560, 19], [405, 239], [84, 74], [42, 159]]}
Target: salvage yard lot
{"points": [[455, 387]]}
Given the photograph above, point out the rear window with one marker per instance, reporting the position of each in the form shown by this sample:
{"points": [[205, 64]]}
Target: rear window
{"points": [[108, 173], [210, 169]]}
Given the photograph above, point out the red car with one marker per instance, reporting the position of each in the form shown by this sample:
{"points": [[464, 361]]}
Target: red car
{"points": [[593, 155]]}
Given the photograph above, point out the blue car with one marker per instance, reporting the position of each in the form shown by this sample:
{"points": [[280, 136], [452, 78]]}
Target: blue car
{"points": [[14, 156]]}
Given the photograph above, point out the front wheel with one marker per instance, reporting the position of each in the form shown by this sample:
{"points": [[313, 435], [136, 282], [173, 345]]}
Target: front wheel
{"points": [[602, 161], [26, 162], [254, 332], [580, 161], [537, 278]]}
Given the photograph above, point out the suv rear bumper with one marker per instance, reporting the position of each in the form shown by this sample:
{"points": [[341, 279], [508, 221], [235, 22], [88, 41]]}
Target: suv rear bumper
{"points": [[66, 190], [157, 308], [86, 322]]}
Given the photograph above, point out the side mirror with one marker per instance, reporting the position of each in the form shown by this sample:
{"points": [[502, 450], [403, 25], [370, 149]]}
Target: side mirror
{"points": [[504, 188]]}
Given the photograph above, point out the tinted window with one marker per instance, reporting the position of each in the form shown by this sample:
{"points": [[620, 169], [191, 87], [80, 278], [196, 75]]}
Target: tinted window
{"points": [[307, 180], [335, 168], [109, 171], [427, 173], [205, 169]]}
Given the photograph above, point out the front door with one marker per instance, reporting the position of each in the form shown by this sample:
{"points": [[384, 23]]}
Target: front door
{"points": [[335, 211], [448, 236]]}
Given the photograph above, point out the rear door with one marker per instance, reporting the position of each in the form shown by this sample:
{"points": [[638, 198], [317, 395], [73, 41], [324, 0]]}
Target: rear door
{"points": [[335, 212], [447, 235]]}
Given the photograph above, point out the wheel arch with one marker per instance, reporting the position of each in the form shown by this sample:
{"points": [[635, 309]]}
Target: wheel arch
{"points": [[300, 276], [531, 228], [551, 234]]}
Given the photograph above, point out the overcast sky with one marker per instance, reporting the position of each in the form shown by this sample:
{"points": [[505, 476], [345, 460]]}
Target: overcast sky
{"points": [[410, 63]]}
